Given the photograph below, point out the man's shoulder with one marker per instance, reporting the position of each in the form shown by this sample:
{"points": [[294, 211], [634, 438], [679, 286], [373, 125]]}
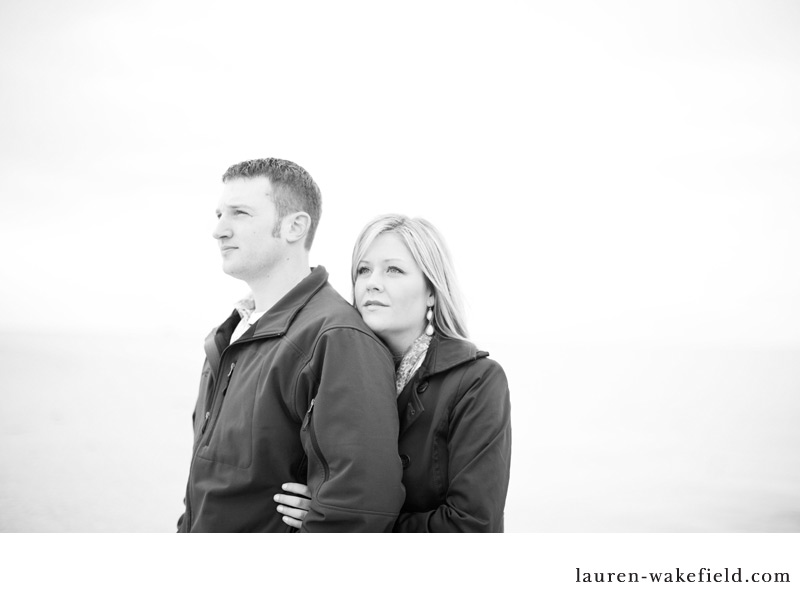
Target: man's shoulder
{"points": [[327, 310]]}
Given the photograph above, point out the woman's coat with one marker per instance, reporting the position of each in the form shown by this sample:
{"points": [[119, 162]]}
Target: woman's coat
{"points": [[455, 441]]}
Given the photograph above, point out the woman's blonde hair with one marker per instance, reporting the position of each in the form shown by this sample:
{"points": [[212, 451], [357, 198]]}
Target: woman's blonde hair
{"points": [[432, 256]]}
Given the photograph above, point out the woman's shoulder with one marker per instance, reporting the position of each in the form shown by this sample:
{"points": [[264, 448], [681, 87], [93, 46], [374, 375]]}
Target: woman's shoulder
{"points": [[463, 359], [485, 364], [485, 370], [457, 352], [478, 384]]}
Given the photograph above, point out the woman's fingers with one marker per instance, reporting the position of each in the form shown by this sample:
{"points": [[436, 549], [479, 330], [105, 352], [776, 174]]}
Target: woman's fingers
{"points": [[291, 512], [293, 501], [296, 488], [292, 522], [294, 508]]}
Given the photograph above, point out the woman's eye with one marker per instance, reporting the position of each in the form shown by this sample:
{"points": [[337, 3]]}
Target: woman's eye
{"points": [[362, 270], [394, 270]]}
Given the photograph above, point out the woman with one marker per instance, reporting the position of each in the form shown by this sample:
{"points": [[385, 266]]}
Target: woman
{"points": [[453, 401]]}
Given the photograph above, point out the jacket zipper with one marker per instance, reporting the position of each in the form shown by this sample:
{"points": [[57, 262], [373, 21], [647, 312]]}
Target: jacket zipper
{"points": [[230, 371], [308, 426], [208, 415], [202, 432], [211, 406]]}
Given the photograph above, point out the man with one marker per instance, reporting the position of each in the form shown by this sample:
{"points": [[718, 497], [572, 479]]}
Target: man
{"points": [[294, 387]]}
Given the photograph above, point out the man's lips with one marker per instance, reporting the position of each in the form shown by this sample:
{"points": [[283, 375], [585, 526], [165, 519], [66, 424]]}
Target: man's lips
{"points": [[225, 248]]}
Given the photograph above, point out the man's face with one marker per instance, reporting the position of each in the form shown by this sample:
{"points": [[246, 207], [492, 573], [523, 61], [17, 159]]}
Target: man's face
{"points": [[246, 220]]}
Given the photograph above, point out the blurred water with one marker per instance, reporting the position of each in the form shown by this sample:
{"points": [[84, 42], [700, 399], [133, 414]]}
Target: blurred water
{"points": [[95, 435], [647, 438], [95, 431]]}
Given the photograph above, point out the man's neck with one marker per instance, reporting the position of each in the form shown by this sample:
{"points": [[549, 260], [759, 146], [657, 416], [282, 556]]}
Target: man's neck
{"points": [[271, 288]]}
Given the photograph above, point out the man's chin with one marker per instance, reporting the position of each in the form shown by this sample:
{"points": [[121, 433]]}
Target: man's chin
{"points": [[232, 271]]}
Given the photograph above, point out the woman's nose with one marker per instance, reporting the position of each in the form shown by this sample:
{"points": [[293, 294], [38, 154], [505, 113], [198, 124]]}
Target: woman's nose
{"points": [[374, 282]]}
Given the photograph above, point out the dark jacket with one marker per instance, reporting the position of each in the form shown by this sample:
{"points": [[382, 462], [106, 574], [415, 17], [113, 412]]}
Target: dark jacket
{"points": [[455, 441], [305, 395]]}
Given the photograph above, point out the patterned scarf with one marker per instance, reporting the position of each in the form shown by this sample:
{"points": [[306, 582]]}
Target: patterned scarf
{"points": [[411, 361]]}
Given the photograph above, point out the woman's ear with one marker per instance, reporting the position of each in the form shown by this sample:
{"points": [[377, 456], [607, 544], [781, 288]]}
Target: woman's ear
{"points": [[296, 226]]}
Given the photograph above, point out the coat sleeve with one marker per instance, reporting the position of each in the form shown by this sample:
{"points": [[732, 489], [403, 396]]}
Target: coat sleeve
{"points": [[479, 457], [349, 434]]}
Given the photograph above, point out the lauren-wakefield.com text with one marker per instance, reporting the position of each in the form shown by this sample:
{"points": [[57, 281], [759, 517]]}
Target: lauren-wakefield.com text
{"points": [[703, 575]]}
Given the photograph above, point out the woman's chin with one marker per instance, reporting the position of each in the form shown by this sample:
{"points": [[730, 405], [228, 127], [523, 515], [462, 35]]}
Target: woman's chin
{"points": [[377, 329]]}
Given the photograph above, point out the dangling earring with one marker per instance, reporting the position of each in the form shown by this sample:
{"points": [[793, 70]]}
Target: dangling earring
{"points": [[429, 317]]}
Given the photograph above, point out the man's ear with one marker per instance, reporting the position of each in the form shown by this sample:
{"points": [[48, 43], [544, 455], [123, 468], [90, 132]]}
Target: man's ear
{"points": [[296, 226]]}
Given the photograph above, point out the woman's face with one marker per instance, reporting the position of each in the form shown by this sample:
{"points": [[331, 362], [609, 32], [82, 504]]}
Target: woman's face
{"points": [[391, 293]]}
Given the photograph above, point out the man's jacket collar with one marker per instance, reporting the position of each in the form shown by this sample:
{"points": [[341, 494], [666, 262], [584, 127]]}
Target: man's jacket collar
{"points": [[274, 322], [279, 317]]}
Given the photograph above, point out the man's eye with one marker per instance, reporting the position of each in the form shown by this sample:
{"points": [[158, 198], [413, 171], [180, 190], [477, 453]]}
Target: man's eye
{"points": [[238, 212]]}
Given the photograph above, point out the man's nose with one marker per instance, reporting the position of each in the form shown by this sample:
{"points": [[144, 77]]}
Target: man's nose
{"points": [[222, 230]]}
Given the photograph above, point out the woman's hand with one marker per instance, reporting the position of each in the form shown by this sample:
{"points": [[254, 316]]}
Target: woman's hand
{"points": [[294, 508]]}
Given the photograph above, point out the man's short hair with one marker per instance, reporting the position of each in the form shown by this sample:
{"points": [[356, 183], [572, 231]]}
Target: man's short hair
{"points": [[294, 189]]}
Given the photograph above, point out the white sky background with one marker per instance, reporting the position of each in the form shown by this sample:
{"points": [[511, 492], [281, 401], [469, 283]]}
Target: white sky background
{"points": [[602, 171]]}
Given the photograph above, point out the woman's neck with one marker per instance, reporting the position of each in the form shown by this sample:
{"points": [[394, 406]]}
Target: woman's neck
{"points": [[399, 343]]}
